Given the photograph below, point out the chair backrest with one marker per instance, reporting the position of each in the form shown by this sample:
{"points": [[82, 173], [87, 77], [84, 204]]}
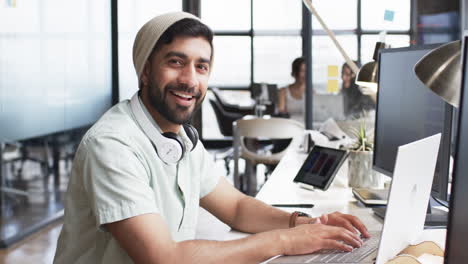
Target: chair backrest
{"points": [[228, 107], [270, 128], [224, 118]]}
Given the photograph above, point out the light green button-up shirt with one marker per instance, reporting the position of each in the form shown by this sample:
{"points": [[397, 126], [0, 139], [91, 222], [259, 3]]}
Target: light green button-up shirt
{"points": [[117, 175]]}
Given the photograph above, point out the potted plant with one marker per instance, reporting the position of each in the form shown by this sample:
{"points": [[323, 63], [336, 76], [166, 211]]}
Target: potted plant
{"points": [[360, 172]]}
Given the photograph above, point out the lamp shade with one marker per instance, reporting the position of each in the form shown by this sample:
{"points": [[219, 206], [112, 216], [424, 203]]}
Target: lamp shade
{"points": [[367, 75], [440, 71]]}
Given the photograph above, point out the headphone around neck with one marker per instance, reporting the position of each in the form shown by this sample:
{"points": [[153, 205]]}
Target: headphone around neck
{"points": [[169, 146]]}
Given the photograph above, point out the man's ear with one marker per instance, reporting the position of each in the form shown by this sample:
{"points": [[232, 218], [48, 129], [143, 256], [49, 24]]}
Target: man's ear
{"points": [[144, 79]]}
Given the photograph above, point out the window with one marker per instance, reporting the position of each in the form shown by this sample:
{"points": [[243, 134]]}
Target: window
{"points": [[357, 39], [226, 15], [273, 57], [132, 15], [256, 41], [269, 28], [324, 54], [231, 63], [59, 51], [337, 14], [277, 15], [373, 14]]}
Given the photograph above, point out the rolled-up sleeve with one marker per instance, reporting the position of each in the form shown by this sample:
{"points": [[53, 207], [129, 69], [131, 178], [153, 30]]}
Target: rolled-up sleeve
{"points": [[116, 180]]}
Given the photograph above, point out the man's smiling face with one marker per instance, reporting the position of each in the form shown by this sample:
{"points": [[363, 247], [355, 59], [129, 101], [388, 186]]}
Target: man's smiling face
{"points": [[175, 78]]}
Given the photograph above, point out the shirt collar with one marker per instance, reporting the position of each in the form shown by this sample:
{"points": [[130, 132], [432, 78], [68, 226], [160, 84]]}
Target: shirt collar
{"points": [[187, 142]]}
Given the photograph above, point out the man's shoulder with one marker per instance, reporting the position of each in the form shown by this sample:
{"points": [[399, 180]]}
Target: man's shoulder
{"points": [[117, 123]]}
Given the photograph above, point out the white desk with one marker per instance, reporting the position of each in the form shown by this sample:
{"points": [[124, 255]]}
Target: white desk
{"points": [[280, 189]]}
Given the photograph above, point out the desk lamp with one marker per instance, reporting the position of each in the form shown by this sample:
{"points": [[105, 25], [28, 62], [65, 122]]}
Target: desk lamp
{"points": [[368, 74], [440, 71]]}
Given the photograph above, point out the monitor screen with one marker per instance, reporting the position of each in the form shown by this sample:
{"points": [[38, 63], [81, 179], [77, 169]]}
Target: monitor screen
{"points": [[264, 93], [408, 111], [457, 233]]}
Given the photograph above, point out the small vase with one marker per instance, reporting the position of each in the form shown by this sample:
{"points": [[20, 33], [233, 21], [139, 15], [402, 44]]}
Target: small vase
{"points": [[360, 172]]}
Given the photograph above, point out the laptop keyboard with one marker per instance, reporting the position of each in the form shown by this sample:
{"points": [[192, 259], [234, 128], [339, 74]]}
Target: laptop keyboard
{"points": [[338, 256]]}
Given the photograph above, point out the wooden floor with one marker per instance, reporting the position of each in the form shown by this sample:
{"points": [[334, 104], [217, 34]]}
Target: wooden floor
{"points": [[20, 213], [38, 248]]}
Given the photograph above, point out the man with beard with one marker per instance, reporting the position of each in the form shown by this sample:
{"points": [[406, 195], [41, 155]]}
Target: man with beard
{"points": [[139, 175]]}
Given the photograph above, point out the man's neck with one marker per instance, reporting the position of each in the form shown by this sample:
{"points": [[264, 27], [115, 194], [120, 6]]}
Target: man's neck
{"points": [[164, 124]]}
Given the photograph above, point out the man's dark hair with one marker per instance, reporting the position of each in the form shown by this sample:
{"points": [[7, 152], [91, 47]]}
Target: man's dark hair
{"points": [[296, 66], [187, 27]]}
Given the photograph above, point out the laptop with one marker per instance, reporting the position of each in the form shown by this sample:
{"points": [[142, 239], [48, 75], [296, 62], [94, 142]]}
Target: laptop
{"points": [[406, 210]]}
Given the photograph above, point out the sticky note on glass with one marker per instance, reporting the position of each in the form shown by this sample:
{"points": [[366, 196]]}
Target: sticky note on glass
{"points": [[389, 15], [332, 86], [11, 3], [332, 71]]}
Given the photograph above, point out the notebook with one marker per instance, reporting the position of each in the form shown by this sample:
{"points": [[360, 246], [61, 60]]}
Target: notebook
{"points": [[371, 197], [406, 209]]}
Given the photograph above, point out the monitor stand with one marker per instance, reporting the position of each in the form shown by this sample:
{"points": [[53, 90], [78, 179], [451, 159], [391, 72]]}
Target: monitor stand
{"points": [[434, 217]]}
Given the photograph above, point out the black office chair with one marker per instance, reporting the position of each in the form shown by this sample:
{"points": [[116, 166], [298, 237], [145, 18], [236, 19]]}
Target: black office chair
{"points": [[232, 108], [224, 118], [226, 113]]}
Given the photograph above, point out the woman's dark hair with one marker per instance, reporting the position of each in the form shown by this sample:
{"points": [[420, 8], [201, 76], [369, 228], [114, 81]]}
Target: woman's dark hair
{"points": [[296, 66], [346, 65], [187, 27]]}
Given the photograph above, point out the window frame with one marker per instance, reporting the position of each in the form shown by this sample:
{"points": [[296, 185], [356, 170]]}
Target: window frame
{"points": [[303, 33]]}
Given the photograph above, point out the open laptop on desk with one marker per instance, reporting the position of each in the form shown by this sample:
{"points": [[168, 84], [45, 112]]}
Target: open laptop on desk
{"points": [[406, 209]]}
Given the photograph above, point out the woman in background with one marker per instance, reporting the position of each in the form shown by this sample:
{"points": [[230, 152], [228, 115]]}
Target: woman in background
{"points": [[291, 98], [355, 103]]}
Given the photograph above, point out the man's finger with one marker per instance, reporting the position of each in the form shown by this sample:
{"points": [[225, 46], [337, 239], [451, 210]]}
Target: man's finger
{"points": [[324, 219], [351, 238], [334, 244], [358, 225], [342, 234]]}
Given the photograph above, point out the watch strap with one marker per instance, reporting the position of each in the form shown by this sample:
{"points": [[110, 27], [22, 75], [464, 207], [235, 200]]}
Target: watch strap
{"points": [[294, 216]]}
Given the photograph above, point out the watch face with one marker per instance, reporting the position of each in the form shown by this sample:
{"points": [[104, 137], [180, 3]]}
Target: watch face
{"points": [[303, 214]]}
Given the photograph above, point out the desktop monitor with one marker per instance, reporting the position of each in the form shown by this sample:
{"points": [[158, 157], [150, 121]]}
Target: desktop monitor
{"points": [[408, 111], [457, 233], [265, 95]]}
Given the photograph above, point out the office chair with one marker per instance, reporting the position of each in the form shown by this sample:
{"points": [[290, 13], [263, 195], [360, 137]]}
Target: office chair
{"points": [[226, 113], [232, 108], [14, 155], [224, 118], [260, 128]]}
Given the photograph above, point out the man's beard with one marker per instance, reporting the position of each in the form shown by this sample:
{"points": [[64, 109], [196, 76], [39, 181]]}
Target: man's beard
{"points": [[176, 114]]}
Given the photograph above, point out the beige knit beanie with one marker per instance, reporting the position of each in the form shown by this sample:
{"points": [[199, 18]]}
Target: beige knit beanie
{"points": [[150, 33]]}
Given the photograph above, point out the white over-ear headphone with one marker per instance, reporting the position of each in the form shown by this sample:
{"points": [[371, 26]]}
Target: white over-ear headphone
{"points": [[169, 148]]}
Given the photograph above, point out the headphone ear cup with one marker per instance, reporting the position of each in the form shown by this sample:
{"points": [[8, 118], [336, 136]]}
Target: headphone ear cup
{"points": [[192, 133], [175, 137]]}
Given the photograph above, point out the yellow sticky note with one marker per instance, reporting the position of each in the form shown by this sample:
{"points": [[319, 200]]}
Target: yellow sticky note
{"points": [[332, 86], [332, 71]]}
